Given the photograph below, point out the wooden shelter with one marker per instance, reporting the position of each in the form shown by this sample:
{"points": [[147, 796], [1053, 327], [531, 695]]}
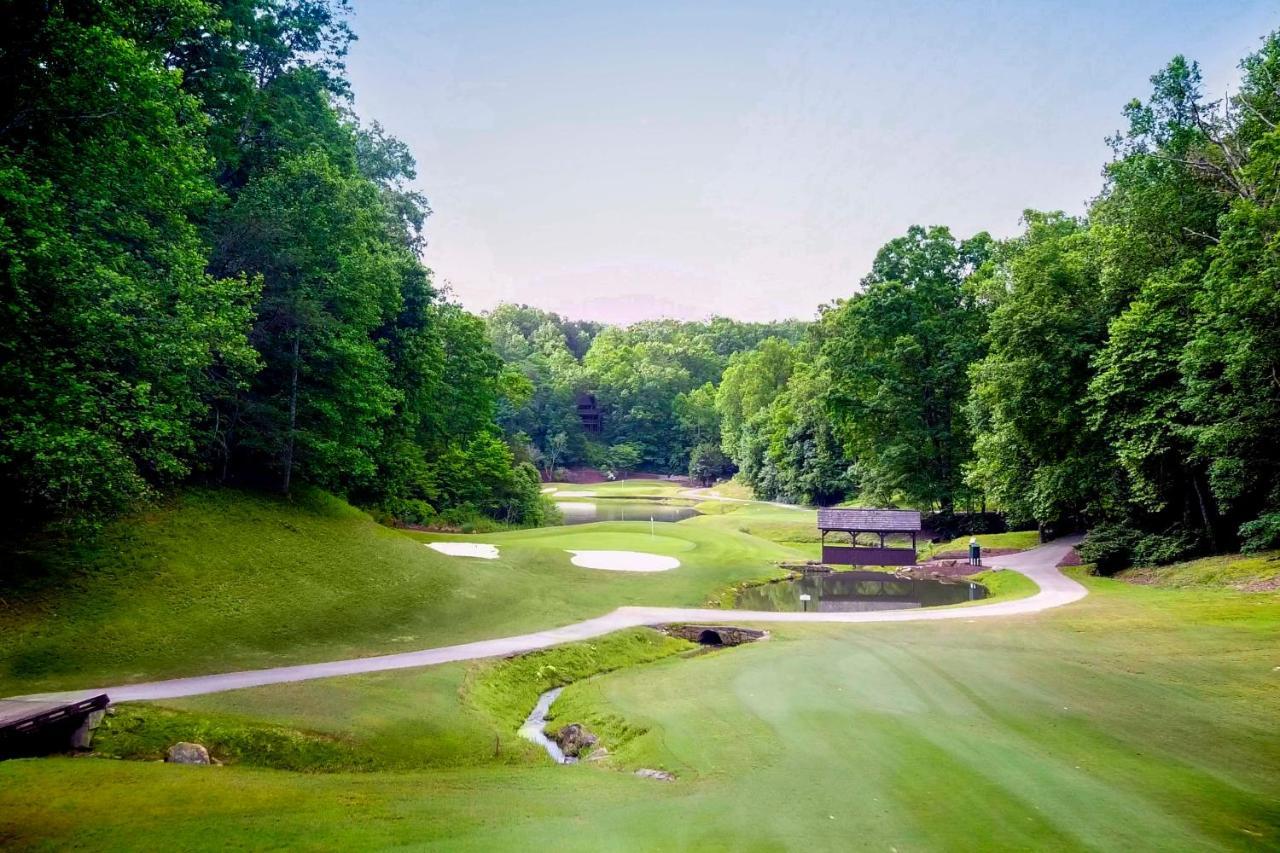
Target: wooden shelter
{"points": [[873, 522], [590, 413]]}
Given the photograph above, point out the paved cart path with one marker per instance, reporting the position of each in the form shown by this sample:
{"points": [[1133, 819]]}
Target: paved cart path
{"points": [[1039, 564]]}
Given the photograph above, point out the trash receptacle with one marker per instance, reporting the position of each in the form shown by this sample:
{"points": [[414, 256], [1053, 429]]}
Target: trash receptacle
{"points": [[975, 552]]}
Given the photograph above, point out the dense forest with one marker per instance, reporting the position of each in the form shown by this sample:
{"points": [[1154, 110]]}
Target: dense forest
{"points": [[655, 383], [211, 271]]}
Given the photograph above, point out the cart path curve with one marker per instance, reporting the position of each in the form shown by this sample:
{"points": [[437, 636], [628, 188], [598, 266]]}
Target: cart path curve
{"points": [[1039, 564]]}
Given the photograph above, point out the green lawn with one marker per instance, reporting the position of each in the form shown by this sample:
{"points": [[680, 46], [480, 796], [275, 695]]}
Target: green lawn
{"points": [[1019, 540], [1138, 718], [225, 580]]}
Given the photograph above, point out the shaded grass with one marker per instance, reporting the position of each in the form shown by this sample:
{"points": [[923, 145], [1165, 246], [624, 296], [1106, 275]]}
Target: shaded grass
{"points": [[1254, 572], [1021, 540], [145, 732]]}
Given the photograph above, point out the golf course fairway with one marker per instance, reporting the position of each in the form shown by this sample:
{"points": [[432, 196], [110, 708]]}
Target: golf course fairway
{"points": [[1136, 718]]}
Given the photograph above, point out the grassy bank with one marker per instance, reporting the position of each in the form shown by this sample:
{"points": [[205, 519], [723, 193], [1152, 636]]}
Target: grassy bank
{"points": [[1247, 572], [221, 580], [460, 715], [508, 689]]}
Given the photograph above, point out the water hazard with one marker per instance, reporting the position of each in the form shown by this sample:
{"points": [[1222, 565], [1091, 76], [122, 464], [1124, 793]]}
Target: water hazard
{"points": [[585, 512], [838, 592]]}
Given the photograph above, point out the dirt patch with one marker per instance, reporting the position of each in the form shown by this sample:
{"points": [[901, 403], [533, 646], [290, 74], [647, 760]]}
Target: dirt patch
{"points": [[943, 569], [1269, 585], [1071, 559], [986, 552]]}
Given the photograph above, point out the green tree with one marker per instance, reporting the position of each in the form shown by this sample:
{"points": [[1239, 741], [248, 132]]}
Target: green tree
{"points": [[707, 463], [750, 383], [317, 239], [898, 355], [112, 331], [1037, 454]]}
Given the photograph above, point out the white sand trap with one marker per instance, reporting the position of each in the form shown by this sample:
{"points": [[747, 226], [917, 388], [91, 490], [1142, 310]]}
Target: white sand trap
{"points": [[465, 549], [575, 494], [623, 561]]}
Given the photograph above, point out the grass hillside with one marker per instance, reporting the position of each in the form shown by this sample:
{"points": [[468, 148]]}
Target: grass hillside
{"points": [[1248, 572], [1138, 718], [220, 580]]}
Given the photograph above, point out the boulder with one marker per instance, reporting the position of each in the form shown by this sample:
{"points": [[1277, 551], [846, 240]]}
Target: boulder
{"points": [[598, 754], [187, 753], [575, 740], [660, 775]]}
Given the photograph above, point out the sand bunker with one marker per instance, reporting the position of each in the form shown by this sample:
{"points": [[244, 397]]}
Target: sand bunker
{"points": [[573, 494], [623, 561], [465, 549]]}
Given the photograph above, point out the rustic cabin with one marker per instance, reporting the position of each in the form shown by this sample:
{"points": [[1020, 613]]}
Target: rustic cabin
{"points": [[589, 413]]}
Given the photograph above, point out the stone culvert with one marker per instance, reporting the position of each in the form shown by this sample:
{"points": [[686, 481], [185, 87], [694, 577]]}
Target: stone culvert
{"points": [[714, 635]]}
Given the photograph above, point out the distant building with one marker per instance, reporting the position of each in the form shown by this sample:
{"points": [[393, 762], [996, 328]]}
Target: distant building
{"points": [[589, 413]]}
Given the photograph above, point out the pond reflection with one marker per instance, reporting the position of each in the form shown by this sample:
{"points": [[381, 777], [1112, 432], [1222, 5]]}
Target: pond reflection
{"points": [[836, 592], [585, 512]]}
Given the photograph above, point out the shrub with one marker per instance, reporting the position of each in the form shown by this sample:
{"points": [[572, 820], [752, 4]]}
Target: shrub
{"points": [[1162, 549], [1109, 547], [1261, 534], [409, 510], [951, 525]]}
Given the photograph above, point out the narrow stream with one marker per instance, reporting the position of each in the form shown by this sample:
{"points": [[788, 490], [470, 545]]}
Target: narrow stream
{"points": [[533, 724]]}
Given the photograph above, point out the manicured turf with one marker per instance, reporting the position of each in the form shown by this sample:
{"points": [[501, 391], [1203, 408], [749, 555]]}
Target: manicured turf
{"points": [[622, 488], [225, 580], [1138, 718], [1017, 540]]}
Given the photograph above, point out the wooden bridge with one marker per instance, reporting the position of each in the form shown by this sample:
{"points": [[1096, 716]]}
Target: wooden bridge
{"points": [[39, 726]]}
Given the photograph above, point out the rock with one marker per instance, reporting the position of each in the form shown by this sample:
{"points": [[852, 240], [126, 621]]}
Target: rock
{"points": [[187, 753], [575, 740], [598, 754], [660, 775]]}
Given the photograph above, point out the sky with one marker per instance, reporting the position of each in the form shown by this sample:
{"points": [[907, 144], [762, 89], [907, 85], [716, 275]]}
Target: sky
{"points": [[626, 161]]}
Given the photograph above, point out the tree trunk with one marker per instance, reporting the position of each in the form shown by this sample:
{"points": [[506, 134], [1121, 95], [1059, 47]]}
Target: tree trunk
{"points": [[293, 411], [1204, 513]]}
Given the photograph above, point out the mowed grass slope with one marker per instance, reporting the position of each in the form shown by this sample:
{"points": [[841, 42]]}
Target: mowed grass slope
{"points": [[1137, 718], [224, 580]]}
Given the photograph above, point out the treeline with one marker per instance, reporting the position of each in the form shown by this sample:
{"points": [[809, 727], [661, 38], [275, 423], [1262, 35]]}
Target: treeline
{"points": [[655, 383], [1119, 371], [210, 269]]}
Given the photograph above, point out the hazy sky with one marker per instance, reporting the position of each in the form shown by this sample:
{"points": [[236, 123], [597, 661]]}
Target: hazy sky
{"points": [[632, 160]]}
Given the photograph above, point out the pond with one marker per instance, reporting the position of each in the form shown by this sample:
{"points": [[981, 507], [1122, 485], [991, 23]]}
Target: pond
{"points": [[585, 512], [837, 592]]}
